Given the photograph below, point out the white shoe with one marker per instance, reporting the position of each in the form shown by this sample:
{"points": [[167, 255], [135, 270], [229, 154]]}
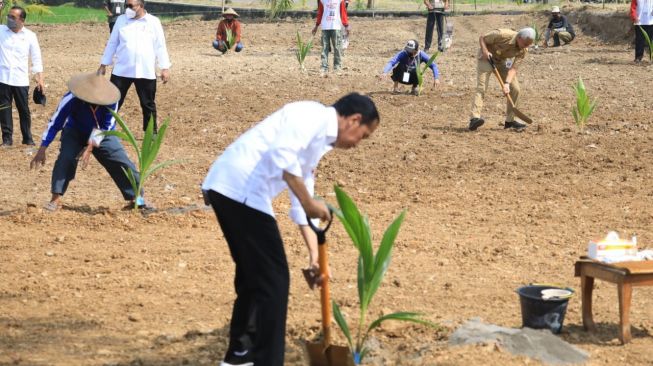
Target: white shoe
{"points": [[236, 364]]}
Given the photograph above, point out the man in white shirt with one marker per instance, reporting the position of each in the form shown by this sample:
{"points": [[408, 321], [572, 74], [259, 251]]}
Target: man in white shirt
{"points": [[332, 17], [435, 17], [17, 45], [138, 43], [280, 152]]}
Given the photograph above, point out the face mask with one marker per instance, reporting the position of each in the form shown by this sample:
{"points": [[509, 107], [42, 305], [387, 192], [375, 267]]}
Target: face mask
{"points": [[12, 23], [130, 13]]}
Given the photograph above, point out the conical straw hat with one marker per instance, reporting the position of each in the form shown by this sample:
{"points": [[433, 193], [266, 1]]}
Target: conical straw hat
{"points": [[94, 89], [230, 11]]}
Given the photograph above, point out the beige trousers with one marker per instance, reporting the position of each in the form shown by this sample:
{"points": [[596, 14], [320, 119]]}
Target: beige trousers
{"points": [[563, 36], [483, 73]]}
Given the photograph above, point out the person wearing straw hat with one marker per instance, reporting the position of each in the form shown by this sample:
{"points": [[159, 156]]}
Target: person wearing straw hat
{"points": [[83, 113], [560, 28], [233, 25]]}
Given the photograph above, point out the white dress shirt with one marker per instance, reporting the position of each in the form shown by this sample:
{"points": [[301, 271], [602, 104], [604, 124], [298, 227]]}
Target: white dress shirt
{"points": [[138, 45], [15, 50], [292, 139]]}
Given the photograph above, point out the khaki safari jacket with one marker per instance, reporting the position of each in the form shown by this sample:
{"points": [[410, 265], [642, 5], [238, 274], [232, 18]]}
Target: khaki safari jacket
{"points": [[502, 44]]}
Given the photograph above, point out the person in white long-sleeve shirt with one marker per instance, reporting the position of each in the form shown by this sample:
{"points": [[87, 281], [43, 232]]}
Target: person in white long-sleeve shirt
{"points": [[280, 152], [17, 45], [139, 45]]}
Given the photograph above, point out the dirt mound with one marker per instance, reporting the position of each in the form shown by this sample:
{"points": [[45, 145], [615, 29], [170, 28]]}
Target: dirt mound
{"points": [[609, 26]]}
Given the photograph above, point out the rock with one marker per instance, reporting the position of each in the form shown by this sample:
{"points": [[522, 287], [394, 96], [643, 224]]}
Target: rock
{"points": [[49, 253], [538, 344], [134, 317]]}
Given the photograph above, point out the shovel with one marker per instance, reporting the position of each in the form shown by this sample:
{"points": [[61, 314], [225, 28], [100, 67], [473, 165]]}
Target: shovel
{"points": [[516, 111], [324, 353]]}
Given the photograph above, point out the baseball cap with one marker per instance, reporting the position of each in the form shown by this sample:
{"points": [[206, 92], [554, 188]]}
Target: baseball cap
{"points": [[555, 9], [411, 46]]}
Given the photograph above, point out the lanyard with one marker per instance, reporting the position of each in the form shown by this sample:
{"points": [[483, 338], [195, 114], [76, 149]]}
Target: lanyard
{"points": [[94, 110]]}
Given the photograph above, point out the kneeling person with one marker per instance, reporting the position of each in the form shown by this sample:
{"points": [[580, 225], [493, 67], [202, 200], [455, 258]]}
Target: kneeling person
{"points": [[560, 28], [404, 66], [233, 25], [83, 114]]}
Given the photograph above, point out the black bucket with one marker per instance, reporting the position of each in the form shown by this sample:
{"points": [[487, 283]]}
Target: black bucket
{"points": [[538, 313]]}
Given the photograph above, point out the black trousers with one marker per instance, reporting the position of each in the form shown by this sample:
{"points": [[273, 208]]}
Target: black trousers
{"points": [[398, 75], [111, 24], [640, 41], [146, 90], [434, 18], [258, 321], [110, 154], [20, 94]]}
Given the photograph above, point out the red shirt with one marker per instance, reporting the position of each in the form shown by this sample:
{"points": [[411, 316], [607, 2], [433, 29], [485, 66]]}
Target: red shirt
{"points": [[234, 26], [343, 13]]}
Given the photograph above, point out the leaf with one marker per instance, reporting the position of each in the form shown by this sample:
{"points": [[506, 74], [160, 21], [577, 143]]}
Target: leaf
{"points": [[383, 256], [402, 316], [146, 148], [340, 320], [132, 181], [130, 136], [354, 224], [159, 166]]}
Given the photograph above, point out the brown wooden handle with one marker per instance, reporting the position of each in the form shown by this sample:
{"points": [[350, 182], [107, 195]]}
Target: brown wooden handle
{"points": [[498, 75], [325, 297]]}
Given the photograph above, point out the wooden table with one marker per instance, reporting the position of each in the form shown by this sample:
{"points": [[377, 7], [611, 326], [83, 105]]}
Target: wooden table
{"points": [[625, 275]]}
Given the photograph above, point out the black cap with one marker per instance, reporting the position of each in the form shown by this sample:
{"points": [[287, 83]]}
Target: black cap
{"points": [[38, 97]]}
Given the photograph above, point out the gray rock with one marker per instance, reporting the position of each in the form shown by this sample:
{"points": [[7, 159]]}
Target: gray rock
{"points": [[538, 344]]}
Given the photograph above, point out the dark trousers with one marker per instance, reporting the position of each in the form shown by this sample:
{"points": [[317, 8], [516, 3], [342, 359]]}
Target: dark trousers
{"points": [[111, 24], [258, 321], [640, 41], [110, 154], [398, 75], [146, 90], [20, 94], [433, 18]]}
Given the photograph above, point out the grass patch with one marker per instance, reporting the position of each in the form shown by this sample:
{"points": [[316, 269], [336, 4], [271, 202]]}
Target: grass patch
{"points": [[68, 14]]}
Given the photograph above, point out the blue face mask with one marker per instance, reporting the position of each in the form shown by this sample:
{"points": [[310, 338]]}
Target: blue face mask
{"points": [[12, 23]]}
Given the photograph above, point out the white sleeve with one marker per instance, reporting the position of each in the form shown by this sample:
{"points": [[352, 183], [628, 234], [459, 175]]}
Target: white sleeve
{"points": [[160, 47], [35, 53], [112, 43], [297, 213]]}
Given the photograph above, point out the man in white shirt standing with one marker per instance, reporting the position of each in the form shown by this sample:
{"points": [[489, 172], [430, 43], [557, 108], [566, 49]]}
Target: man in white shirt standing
{"points": [[17, 45], [138, 42], [332, 16], [280, 152]]}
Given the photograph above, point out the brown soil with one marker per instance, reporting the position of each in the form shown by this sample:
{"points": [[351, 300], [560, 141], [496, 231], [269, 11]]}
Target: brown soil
{"points": [[487, 211]]}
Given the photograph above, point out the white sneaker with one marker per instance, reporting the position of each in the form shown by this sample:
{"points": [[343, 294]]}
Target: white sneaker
{"points": [[236, 364]]}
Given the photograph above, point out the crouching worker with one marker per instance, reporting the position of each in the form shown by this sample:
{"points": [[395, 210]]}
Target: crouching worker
{"points": [[560, 28], [83, 114], [404, 67], [280, 152], [233, 25]]}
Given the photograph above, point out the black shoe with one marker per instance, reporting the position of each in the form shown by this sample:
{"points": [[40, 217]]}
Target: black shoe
{"points": [[514, 125], [238, 359], [638, 61], [6, 143], [29, 143], [475, 123]]}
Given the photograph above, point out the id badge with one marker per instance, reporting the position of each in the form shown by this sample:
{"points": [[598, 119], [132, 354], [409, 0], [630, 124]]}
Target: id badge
{"points": [[406, 77], [96, 137], [117, 10], [508, 63]]}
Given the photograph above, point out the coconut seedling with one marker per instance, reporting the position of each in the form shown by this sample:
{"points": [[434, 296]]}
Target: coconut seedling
{"points": [[230, 39], [584, 107], [146, 153], [538, 37], [648, 42], [420, 70], [371, 270], [303, 48]]}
